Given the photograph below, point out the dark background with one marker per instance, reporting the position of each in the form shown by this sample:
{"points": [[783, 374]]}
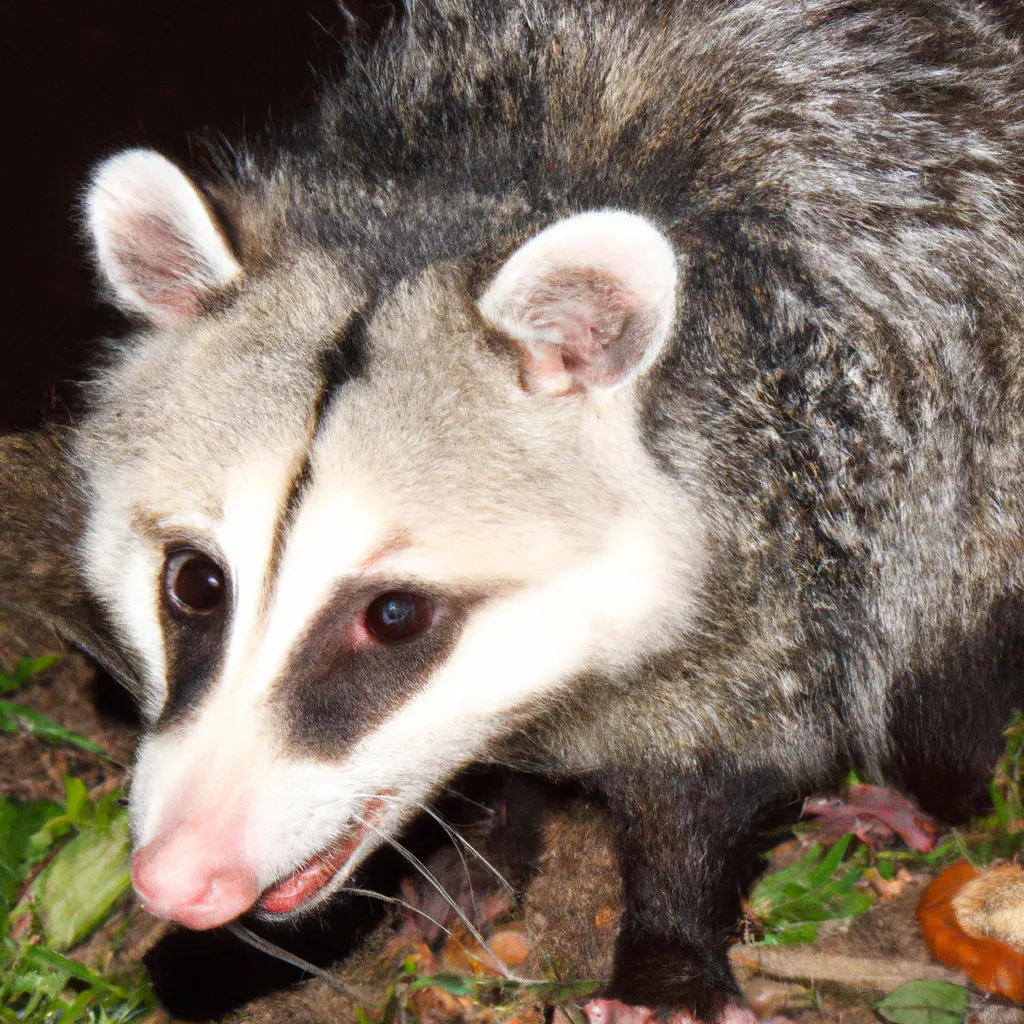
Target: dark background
{"points": [[85, 79]]}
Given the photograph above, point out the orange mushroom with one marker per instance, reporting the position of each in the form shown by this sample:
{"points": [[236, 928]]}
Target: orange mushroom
{"points": [[992, 965]]}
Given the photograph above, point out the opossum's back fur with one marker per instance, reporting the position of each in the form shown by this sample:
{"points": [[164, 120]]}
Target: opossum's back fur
{"points": [[843, 390]]}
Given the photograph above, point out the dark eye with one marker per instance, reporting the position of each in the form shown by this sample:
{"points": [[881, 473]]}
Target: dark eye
{"points": [[194, 583], [398, 616]]}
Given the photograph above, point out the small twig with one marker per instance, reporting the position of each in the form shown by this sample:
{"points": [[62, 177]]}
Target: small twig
{"points": [[796, 963]]}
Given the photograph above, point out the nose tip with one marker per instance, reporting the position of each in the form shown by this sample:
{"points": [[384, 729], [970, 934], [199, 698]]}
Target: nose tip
{"points": [[185, 876]]}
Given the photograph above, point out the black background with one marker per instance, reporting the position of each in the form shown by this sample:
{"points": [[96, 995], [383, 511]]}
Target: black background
{"points": [[87, 78]]}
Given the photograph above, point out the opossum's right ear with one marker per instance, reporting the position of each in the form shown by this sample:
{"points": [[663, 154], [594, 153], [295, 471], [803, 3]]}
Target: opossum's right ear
{"points": [[589, 301], [157, 242]]}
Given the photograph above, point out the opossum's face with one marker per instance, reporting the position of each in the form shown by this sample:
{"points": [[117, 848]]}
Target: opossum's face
{"points": [[354, 543]]}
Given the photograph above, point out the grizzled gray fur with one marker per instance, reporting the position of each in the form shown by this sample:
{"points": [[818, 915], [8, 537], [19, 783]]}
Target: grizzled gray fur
{"points": [[837, 412]]}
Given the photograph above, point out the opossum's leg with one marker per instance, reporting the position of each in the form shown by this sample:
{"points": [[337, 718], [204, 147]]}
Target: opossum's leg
{"points": [[688, 844]]}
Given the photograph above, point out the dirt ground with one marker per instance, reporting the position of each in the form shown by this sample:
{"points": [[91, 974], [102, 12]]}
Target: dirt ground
{"points": [[563, 927]]}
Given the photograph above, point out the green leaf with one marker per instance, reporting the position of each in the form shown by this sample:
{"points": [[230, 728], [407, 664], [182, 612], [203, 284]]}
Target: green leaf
{"points": [[821, 886], [19, 824], [28, 668], [925, 1002], [796, 934], [456, 984], [820, 874], [107, 808], [558, 992], [76, 1008], [83, 883], [391, 1005], [24, 670], [77, 805], [13, 715]]}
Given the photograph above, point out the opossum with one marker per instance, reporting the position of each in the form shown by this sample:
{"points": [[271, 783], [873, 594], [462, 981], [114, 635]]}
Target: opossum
{"points": [[629, 393]]}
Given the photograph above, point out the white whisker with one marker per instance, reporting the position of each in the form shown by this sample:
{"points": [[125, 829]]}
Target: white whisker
{"points": [[268, 947], [444, 894], [394, 899], [458, 837]]}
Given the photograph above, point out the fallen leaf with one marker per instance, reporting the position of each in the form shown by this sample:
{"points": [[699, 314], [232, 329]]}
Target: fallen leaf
{"points": [[533, 1015], [465, 957], [874, 814], [510, 946], [433, 1005], [925, 1002], [889, 888]]}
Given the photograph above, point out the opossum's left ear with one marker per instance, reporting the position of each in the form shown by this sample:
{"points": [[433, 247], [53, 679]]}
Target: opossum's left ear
{"points": [[158, 244], [589, 300]]}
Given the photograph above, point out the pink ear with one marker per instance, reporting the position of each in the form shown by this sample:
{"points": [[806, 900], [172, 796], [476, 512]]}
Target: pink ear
{"points": [[589, 300], [157, 244]]}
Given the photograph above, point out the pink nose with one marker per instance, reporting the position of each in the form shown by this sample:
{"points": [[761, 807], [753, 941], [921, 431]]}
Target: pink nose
{"points": [[191, 876]]}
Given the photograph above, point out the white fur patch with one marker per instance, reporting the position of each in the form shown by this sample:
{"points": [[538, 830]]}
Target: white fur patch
{"points": [[334, 531], [515, 652]]}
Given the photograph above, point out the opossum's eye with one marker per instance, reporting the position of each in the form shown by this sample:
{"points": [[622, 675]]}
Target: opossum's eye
{"points": [[193, 582], [398, 616]]}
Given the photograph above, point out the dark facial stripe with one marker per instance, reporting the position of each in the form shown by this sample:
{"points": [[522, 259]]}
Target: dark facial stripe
{"points": [[194, 647], [346, 360], [341, 363], [283, 527], [334, 691]]}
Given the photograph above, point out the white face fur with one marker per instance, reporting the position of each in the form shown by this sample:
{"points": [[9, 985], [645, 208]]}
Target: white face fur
{"points": [[520, 512]]}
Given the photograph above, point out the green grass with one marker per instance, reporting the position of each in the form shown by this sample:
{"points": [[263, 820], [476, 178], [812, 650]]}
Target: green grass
{"points": [[497, 993], [63, 871], [830, 883], [14, 717]]}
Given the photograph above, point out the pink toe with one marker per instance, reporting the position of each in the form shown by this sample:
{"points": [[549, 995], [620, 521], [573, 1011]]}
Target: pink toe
{"points": [[734, 1014], [611, 1011]]}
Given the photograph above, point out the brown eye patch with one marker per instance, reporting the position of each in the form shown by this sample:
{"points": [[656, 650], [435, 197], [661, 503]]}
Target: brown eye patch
{"points": [[195, 602], [368, 651]]}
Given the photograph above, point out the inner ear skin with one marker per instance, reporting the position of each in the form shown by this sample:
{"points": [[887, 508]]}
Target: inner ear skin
{"points": [[604, 330], [333, 691], [165, 270]]}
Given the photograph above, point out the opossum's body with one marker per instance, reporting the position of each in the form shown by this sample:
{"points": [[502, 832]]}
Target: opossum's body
{"points": [[701, 497]]}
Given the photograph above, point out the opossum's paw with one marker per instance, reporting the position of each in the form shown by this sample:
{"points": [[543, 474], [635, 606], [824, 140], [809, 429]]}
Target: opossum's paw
{"points": [[611, 1011]]}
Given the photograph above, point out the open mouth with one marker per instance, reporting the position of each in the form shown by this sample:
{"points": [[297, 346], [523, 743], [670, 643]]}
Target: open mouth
{"points": [[309, 879]]}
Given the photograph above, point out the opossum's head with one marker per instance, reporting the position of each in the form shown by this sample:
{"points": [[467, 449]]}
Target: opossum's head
{"points": [[354, 534]]}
